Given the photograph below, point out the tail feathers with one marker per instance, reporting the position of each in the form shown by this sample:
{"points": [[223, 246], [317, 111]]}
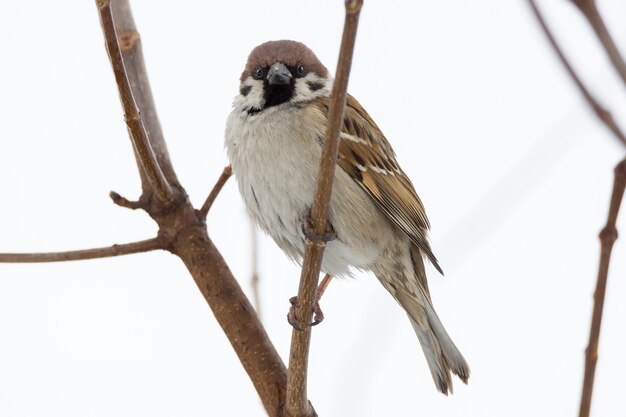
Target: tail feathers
{"points": [[442, 355], [457, 362], [439, 366]]}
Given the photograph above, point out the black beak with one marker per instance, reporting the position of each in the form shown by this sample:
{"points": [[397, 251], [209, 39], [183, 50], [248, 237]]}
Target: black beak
{"points": [[278, 74]]}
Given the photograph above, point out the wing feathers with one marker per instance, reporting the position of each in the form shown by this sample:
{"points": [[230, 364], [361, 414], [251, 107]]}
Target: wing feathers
{"points": [[366, 155]]}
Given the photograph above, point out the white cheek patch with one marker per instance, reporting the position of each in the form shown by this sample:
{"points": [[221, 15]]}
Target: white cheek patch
{"points": [[310, 87], [250, 94]]}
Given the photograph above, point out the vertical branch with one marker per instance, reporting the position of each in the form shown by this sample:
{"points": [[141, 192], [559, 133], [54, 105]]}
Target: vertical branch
{"points": [[608, 236], [136, 128], [132, 56], [591, 12], [297, 404]]}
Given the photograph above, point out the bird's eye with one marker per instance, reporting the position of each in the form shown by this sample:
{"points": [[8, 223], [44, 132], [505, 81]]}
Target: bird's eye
{"points": [[300, 71], [258, 73]]}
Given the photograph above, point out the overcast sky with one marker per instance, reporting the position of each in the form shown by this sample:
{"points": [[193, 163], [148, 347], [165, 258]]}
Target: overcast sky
{"points": [[514, 171]]}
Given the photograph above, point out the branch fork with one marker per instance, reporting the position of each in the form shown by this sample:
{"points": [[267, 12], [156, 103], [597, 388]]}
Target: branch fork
{"points": [[182, 229]]}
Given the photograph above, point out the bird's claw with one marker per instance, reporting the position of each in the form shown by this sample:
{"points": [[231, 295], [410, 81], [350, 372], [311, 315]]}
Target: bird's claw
{"points": [[307, 229], [292, 319], [291, 315]]}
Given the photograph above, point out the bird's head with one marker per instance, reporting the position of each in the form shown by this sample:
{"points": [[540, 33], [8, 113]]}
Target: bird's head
{"points": [[280, 72]]}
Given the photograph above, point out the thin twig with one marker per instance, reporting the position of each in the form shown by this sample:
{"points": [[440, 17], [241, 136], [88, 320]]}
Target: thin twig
{"points": [[297, 404], [591, 12], [228, 171], [134, 121], [605, 116], [124, 202], [608, 236], [79, 255]]}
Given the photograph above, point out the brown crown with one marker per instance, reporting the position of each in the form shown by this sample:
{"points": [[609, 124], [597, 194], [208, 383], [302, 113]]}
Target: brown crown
{"points": [[290, 53]]}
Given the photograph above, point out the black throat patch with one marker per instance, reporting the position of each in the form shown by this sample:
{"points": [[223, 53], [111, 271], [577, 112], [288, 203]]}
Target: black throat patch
{"points": [[277, 94]]}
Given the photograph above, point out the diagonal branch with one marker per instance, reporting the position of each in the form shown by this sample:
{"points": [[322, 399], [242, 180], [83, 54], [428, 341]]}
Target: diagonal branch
{"points": [[591, 12], [228, 171], [134, 121], [603, 114], [79, 255], [608, 236], [297, 404]]}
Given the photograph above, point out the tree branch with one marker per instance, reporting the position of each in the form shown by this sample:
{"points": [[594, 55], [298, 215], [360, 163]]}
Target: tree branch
{"points": [[130, 44], [591, 12], [124, 202], [228, 171], [134, 121], [297, 404], [604, 115], [184, 230], [79, 255], [608, 236], [235, 315]]}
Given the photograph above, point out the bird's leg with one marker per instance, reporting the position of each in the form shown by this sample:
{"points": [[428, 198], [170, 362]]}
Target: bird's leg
{"points": [[307, 229], [319, 314]]}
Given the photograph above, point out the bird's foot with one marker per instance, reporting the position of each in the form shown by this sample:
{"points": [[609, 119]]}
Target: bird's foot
{"points": [[307, 229], [318, 316]]}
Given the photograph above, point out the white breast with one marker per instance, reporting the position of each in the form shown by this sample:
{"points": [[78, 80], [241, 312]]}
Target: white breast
{"points": [[275, 157]]}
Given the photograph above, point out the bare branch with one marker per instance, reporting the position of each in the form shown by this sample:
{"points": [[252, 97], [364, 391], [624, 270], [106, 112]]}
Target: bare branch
{"points": [[608, 236], [123, 202], [297, 404], [591, 12], [235, 315], [80, 255], [136, 128], [132, 56], [228, 171], [183, 227], [604, 115]]}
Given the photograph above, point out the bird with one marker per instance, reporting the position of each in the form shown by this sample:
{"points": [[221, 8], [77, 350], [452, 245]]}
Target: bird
{"points": [[274, 137]]}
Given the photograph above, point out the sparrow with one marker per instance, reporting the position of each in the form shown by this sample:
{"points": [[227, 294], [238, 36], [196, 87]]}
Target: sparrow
{"points": [[274, 137]]}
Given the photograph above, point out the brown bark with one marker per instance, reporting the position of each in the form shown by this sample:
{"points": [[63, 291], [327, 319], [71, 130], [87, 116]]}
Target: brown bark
{"points": [[608, 236], [181, 227], [107, 252], [297, 404], [228, 171], [135, 69], [591, 12]]}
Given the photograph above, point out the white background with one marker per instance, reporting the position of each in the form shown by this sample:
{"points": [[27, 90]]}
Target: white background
{"points": [[514, 170]]}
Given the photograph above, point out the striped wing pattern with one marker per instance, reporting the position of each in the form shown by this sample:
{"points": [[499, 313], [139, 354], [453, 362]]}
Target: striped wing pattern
{"points": [[366, 155]]}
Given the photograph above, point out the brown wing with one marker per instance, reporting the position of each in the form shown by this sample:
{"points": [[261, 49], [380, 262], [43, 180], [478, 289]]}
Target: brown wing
{"points": [[366, 156]]}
